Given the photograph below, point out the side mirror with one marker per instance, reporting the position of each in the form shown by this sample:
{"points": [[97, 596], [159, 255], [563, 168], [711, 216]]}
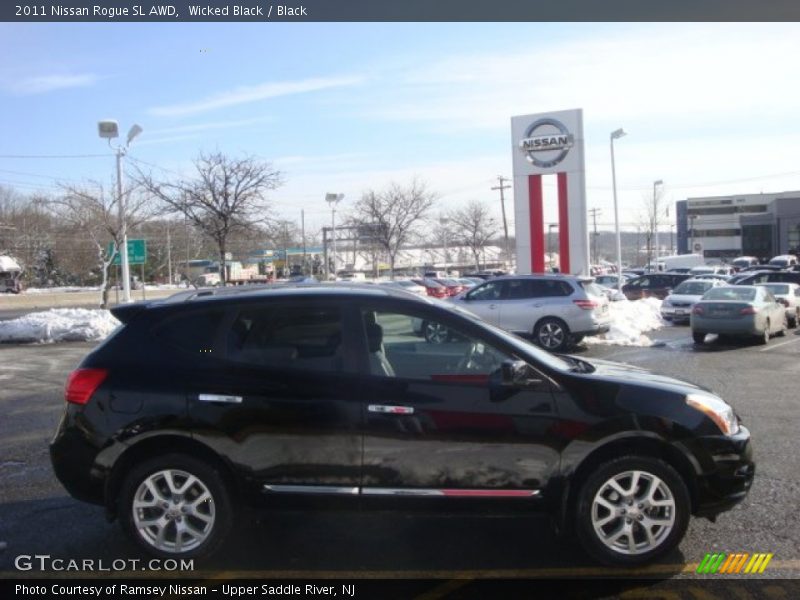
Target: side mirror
{"points": [[516, 373]]}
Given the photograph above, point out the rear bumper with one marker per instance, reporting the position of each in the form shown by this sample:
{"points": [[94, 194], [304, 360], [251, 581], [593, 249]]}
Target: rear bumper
{"points": [[740, 326], [73, 459], [728, 473]]}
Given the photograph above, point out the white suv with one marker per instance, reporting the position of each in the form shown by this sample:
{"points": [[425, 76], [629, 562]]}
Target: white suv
{"points": [[557, 310]]}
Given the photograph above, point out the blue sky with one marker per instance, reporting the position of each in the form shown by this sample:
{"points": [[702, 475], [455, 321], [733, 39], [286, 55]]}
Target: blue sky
{"points": [[710, 109]]}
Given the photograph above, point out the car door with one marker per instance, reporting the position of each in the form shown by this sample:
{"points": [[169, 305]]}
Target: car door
{"points": [[524, 303], [282, 403], [484, 301], [437, 422]]}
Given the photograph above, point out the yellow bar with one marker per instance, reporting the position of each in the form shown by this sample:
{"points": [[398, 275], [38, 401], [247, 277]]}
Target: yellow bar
{"points": [[766, 562], [755, 563], [742, 559], [750, 564]]}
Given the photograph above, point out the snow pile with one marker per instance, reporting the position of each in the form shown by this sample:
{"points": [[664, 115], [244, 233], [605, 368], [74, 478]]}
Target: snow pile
{"points": [[59, 325], [59, 290], [630, 321]]}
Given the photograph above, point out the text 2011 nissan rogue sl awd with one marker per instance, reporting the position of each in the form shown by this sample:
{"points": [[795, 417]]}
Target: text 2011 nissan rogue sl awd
{"points": [[209, 400]]}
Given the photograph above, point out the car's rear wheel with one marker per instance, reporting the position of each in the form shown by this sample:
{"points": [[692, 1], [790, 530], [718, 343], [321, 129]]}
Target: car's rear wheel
{"points": [[698, 337], [632, 510], [435, 333], [552, 334], [176, 506]]}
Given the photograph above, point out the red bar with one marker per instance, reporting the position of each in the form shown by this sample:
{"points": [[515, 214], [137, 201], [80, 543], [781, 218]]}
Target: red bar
{"points": [[536, 215], [563, 223]]}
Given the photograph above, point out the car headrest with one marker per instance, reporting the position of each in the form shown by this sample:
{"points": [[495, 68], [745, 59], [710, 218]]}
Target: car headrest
{"points": [[374, 337]]}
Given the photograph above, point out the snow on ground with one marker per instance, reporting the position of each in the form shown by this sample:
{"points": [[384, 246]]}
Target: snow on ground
{"points": [[59, 290], [630, 321], [59, 325]]}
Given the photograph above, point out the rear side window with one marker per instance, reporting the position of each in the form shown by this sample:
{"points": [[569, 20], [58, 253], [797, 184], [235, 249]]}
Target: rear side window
{"points": [[295, 337], [192, 332], [550, 288], [591, 288]]}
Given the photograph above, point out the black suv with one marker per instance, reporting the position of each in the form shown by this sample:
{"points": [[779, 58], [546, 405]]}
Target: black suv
{"points": [[210, 400]]}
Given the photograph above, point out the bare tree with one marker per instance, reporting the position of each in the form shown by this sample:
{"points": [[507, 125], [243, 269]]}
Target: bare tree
{"points": [[88, 209], [474, 226], [395, 215], [226, 197], [650, 218]]}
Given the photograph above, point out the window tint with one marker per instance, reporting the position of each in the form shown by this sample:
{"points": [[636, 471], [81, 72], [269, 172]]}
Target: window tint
{"points": [[741, 294], [407, 346], [192, 332], [549, 288], [518, 289], [298, 337], [488, 291]]}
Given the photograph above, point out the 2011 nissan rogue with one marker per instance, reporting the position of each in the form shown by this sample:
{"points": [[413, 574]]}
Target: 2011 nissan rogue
{"points": [[209, 400]]}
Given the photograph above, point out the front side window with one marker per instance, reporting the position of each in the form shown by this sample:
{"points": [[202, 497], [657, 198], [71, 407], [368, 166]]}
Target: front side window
{"points": [[403, 345], [488, 291], [292, 337]]}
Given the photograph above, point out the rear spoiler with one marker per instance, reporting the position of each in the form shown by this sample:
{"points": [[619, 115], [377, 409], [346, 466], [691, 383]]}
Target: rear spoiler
{"points": [[126, 312]]}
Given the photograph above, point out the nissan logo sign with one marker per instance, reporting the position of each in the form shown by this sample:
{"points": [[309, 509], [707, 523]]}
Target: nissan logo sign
{"points": [[546, 143]]}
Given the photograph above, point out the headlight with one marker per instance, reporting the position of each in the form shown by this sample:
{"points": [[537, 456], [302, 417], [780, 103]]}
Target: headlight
{"points": [[717, 410]]}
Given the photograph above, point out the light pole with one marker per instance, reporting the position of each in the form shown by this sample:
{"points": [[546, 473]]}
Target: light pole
{"points": [[333, 200], [615, 135], [109, 130], [444, 221], [655, 217]]}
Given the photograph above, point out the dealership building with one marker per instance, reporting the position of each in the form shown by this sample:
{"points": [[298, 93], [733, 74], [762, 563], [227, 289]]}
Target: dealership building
{"points": [[761, 225]]}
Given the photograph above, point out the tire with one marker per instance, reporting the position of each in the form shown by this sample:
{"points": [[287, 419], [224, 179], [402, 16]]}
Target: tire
{"points": [[604, 516], [764, 338], [435, 333], [784, 327], [552, 334], [205, 522], [698, 337]]}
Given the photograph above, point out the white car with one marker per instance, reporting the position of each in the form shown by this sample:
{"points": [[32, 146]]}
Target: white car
{"points": [[678, 305], [408, 286], [787, 294]]}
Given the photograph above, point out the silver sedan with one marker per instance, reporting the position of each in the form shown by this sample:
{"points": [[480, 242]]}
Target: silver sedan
{"points": [[787, 294], [741, 310]]}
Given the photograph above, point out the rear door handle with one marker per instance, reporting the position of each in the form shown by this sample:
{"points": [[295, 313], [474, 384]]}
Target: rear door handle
{"points": [[389, 409], [220, 398]]}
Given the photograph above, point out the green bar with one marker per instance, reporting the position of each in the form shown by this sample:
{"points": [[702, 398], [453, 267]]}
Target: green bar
{"points": [[718, 564], [704, 563]]}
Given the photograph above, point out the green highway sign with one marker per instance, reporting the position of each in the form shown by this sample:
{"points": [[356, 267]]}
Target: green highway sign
{"points": [[137, 252]]}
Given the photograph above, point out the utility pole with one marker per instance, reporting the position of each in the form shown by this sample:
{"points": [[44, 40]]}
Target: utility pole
{"points": [[594, 212], [502, 187], [169, 256], [303, 233]]}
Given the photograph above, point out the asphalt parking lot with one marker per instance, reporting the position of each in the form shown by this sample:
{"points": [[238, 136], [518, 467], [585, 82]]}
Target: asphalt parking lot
{"points": [[37, 516]]}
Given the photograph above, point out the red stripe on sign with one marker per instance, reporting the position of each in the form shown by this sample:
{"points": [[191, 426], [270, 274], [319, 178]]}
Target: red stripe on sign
{"points": [[536, 215], [490, 493], [563, 223]]}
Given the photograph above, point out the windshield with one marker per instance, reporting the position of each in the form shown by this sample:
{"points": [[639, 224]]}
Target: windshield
{"points": [[740, 294], [693, 288]]}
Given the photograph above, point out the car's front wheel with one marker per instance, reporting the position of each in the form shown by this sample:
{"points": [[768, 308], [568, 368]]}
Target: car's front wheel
{"points": [[632, 510], [176, 506]]}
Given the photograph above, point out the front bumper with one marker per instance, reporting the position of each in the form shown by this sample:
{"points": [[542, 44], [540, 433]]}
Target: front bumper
{"points": [[676, 313], [728, 474]]}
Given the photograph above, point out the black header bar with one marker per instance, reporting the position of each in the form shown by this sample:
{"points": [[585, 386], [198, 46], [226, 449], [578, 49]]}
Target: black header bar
{"points": [[400, 10]]}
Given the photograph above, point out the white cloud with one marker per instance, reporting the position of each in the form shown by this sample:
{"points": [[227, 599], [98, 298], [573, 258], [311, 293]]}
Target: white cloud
{"points": [[256, 93], [49, 83], [195, 127]]}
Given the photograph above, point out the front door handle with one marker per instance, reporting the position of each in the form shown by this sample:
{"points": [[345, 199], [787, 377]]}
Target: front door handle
{"points": [[389, 409]]}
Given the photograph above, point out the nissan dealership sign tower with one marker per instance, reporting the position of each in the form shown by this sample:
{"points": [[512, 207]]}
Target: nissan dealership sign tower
{"points": [[550, 145]]}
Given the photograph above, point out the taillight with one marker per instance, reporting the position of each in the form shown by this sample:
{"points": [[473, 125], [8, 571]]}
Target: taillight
{"points": [[697, 310], [82, 383], [748, 310], [586, 304]]}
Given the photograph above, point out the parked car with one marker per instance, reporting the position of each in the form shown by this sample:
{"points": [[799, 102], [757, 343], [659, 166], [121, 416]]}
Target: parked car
{"points": [[787, 294], [609, 281], [742, 262], [738, 310], [407, 285], [655, 285], [714, 277], [710, 270], [557, 310], [433, 288], [678, 305], [309, 396], [755, 268], [770, 277], [453, 287], [784, 261], [467, 282]]}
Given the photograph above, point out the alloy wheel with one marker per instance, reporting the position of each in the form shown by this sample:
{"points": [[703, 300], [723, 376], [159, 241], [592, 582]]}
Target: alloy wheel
{"points": [[173, 511], [633, 512], [551, 335]]}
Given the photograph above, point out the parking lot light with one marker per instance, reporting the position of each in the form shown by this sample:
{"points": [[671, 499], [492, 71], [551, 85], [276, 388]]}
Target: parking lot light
{"points": [[615, 135]]}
